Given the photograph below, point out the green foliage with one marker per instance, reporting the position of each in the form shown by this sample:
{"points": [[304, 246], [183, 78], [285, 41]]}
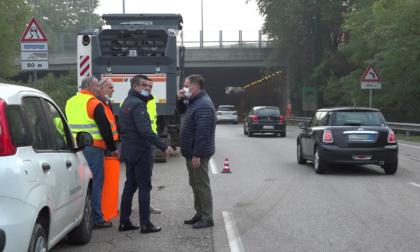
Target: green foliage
{"points": [[386, 33], [14, 14], [59, 89], [68, 16]]}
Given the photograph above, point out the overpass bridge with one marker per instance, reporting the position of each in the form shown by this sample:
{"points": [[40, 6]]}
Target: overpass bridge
{"points": [[223, 58]]}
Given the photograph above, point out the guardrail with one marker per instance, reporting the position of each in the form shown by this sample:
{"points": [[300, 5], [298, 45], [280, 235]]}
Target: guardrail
{"points": [[407, 127]]}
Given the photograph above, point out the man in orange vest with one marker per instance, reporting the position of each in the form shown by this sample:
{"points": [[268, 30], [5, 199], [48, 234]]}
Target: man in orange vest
{"points": [[106, 88], [86, 113]]}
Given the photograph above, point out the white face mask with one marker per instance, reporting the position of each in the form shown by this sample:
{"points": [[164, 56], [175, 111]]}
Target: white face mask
{"points": [[107, 97], [187, 93]]}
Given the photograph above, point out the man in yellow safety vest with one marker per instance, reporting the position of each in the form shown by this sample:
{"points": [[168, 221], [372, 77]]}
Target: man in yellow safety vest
{"points": [[86, 113]]}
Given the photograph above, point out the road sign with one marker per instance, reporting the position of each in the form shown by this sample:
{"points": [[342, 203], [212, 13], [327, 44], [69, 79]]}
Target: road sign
{"points": [[371, 75], [38, 47], [33, 33], [34, 65], [309, 98], [34, 56], [371, 85]]}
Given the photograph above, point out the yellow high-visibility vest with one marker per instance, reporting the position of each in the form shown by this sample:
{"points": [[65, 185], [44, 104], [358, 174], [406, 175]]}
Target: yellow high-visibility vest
{"points": [[77, 116], [151, 110]]}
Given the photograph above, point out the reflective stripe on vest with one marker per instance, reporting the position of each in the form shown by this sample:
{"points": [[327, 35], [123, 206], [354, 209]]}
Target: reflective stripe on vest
{"points": [[78, 119], [151, 110], [111, 119]]}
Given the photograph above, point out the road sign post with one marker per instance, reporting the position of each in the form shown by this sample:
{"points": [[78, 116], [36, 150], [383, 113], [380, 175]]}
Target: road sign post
{"points": [[371, 80], [34, 49]]}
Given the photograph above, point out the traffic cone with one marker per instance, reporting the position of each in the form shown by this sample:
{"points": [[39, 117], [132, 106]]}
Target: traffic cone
{"points": [[226, 167]]}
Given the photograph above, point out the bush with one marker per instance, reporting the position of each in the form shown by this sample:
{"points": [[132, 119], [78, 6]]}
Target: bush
{"points": [[59, 89]]}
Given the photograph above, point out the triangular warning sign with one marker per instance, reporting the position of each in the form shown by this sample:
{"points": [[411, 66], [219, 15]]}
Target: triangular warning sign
{"points": [[33, 33], [371, 75]]}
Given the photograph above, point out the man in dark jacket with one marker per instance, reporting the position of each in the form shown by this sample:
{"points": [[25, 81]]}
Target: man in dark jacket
{"points": [[137, 140], [197, 146]]}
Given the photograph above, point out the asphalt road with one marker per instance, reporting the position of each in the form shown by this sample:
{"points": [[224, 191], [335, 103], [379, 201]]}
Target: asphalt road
{"points": [[271, 203]]}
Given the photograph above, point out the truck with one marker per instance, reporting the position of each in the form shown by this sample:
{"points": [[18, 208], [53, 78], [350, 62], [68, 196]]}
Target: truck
{"points": [[132, 44]]}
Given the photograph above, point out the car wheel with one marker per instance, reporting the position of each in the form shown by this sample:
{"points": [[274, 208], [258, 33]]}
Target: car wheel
{"points": [[38, 241], [300, 159], [245, 133], [235, 123], [391, 168], [82, 233], [283, 134], [250, 134], [319, 165]]}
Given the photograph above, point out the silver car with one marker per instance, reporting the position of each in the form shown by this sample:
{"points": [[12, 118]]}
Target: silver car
{"points": [[227, 113], [45, 181]]}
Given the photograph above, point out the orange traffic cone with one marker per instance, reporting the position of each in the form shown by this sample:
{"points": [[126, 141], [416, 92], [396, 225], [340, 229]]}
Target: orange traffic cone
{"points": [[226, 167]]}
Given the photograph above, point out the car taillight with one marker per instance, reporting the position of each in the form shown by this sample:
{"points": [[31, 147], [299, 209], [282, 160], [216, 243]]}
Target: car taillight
{"points": [[255, 118], [391, 137], [327, 138], [6, 146], [236, 113], [281, 118], [219, 113]]}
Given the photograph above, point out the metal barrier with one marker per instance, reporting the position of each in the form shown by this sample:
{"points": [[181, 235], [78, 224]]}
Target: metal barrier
{"points": [[407, 127], [191, 39]]}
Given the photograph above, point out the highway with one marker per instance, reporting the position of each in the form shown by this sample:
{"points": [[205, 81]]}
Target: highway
{"points": [[271, 203]]}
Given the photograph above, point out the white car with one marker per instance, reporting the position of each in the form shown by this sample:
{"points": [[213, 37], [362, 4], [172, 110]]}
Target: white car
{"points": [[227, 113], [45, 181]]}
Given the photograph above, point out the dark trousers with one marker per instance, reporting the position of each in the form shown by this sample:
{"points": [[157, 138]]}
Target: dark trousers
{"points": [[139, 176]]}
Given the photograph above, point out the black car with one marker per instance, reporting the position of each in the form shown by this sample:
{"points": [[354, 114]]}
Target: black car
{"points": [[264, 119], [348, 136]]}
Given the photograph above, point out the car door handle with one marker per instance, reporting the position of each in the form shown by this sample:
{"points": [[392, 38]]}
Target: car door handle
{"points": [[46, 166], [68, 164]]}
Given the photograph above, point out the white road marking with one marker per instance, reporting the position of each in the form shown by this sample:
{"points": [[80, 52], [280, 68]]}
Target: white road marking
{"points": [[414, 184], [409, 145], [213, 166], [235, 242]]}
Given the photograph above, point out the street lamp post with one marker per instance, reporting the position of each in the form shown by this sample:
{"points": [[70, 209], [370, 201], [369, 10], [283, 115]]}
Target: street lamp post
{"points": [[123, 6], [202, 30], [90, 17]]}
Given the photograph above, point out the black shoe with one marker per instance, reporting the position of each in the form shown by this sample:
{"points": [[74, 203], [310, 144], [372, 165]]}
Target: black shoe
{"points": [[149, 229], [103, 224], [127, 227], [193, 220], [203, 224]]}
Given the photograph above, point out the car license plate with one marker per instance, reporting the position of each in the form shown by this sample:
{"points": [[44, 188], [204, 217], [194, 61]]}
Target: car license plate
{"points": [[361, 137], [268, 127]]}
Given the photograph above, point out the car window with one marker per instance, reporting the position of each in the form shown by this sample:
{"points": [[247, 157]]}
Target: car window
{"points": [[60, 132], [267, 112], [362, 118], [38, 125], [319, 119], [227, 109], [19, 132]]}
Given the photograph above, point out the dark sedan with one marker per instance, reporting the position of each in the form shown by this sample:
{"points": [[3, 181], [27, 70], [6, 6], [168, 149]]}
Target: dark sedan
{"points": [[264, 119], [347, 136]]}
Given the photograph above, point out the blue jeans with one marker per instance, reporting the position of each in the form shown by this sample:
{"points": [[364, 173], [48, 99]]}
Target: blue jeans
{"points": [[152, 159], [107, 153], [138, 175], [96, 160]]}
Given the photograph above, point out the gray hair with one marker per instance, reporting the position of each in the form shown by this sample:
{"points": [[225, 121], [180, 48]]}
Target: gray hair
{"points": [[86, 82]]}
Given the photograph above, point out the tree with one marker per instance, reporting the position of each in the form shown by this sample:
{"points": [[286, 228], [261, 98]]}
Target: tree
{"points": [[305, 35], [65, 16], [15, 15], [386, 33]]}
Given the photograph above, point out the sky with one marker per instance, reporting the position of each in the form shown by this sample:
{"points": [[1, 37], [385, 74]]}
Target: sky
{"points": [[226, 15]]}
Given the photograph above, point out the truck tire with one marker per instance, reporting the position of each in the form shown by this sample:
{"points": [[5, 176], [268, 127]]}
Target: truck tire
{"points": [[82, 233]]}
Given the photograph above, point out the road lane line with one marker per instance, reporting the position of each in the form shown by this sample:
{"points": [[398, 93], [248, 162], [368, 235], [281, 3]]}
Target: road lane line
{"points": [[409, 145], [213, 166], [414, 184], [235, 242]]}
